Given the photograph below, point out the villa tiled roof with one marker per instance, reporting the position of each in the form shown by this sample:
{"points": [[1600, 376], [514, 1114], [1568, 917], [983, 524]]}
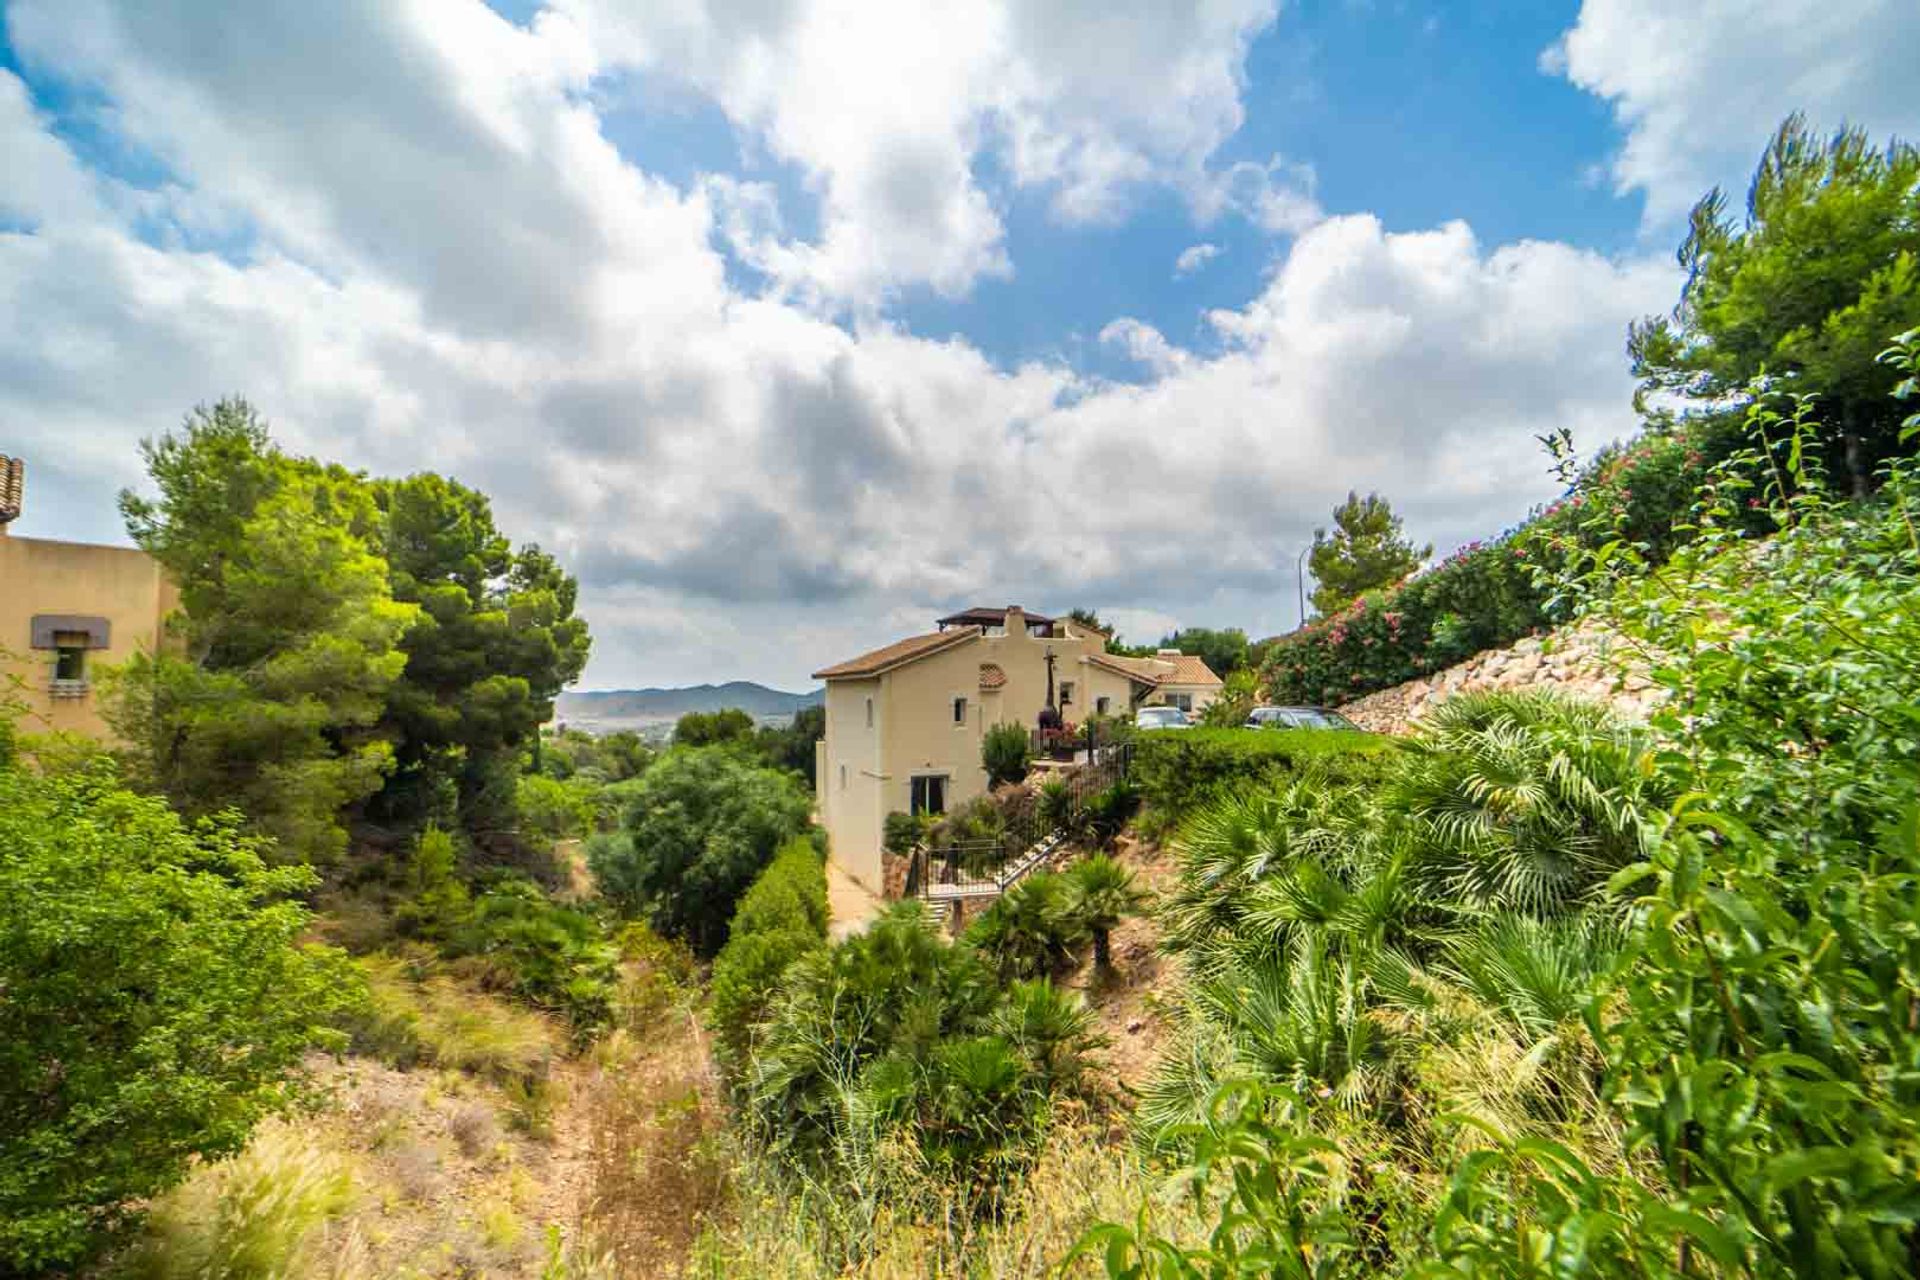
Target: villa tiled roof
{"points": [[1189, 669], [1182, 668], [992, 675], [900, 651], [1145, 670]]}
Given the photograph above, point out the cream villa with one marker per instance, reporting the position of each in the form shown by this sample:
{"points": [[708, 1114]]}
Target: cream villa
{"points": [[66, 610], [905, 722]]}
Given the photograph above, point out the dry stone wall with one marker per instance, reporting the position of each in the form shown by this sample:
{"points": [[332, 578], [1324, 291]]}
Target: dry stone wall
{"points": [[1584, 662]]}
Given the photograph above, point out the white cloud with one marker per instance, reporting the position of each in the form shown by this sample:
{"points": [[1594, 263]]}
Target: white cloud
{"points": [[1699, 87], [1278, 196], [455, 270], [1194, 257], [889, 110]]}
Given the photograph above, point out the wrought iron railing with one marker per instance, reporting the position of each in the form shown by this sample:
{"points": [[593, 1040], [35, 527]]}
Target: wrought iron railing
{"points": [[983, 866]]}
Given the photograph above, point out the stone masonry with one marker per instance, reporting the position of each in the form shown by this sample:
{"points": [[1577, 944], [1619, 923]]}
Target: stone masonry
{"points": [[1583, 661]]}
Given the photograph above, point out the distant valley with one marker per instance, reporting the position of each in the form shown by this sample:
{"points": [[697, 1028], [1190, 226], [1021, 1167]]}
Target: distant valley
{"points": [[640, 708]]}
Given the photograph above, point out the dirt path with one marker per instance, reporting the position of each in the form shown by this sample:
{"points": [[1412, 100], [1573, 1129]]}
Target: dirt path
{"points": [[851, 906]]}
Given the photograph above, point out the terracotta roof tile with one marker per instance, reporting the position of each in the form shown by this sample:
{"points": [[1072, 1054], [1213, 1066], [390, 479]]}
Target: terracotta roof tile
{"points": [[992, 675], [1190, 669], [892, 655]]}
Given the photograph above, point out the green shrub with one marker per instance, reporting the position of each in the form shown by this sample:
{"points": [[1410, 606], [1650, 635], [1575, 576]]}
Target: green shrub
{"points": [[154, 1003], [552, 956], [894, 1033], [902, 832], [1177, 772], [438, 905], [780, 918], [551, 809], [1031, 930], [1005, 752], [699, 827]]}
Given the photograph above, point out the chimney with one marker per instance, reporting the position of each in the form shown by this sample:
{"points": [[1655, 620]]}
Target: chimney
{"points": [[13, 483], [1016, 620]]}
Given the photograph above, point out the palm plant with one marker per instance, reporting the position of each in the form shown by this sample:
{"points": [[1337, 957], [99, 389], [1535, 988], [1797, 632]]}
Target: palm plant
{"points": [[1100, 894], [1053, 1030], [1030, 931], [1527, 800], [1240, 840]]}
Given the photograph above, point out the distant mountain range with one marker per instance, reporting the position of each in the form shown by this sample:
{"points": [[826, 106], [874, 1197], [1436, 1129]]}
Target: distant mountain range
{"points": [[651, 706]]}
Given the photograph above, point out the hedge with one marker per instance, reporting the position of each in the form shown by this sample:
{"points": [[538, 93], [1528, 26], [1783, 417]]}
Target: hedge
{"points": [[1489, 594], [1177, 771], [781, 917]]}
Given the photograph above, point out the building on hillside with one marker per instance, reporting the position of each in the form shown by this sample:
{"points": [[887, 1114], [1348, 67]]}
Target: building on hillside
{"points": [[906, 722], [66, 610], [1179, 679]]}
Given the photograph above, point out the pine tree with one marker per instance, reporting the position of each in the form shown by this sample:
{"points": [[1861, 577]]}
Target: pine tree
{"points": [[1366, 549]]}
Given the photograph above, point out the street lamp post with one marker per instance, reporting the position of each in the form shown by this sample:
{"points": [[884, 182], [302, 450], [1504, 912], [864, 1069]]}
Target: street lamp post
{"points": [[1300, 580]]}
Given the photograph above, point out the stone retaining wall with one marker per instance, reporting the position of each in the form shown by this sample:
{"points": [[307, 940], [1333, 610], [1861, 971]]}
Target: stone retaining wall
{"points": [[1583, 661]]}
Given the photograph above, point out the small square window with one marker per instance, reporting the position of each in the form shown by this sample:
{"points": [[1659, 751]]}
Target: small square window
{"points": [[1066, 693], [959, 711], [929, 794], [70, 662], [1100, 706]]}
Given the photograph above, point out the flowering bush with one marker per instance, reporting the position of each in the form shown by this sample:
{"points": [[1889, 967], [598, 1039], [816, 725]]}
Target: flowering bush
{"points": [[1490, 593]]}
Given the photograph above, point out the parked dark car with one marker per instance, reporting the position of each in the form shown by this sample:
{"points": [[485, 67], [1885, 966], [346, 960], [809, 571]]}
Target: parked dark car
{"points": [[1299, 718]]}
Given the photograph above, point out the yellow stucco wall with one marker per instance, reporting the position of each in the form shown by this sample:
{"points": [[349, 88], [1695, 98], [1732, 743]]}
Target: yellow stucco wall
{"points": [[120, 584], [867, 774]]}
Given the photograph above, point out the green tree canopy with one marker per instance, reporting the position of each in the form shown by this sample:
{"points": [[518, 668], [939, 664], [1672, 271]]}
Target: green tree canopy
{"points": [[700, 825], [1811, 284], [494, 643], [1366, 549], [713, 728], [1224, 651], [156, 1003], [341, 637], [288, 636]]}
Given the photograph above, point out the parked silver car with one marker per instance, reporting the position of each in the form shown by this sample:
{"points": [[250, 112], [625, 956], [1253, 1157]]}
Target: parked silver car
{"points": [[1298, 718], [1161, 718]]}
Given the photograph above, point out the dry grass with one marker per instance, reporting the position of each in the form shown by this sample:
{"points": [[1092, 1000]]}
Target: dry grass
{"points": [[1081, 1178], [655, 1178], [275, 1210], [417, 1015]]}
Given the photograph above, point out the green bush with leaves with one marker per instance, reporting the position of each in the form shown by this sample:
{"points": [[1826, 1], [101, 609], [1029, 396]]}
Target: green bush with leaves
{"points": [[552, 956], [1031, 930], [157, 1003], [1727, 1023], [700, 826], [782, 917], [1005, 752], [894, 1033], [1176, 773]]}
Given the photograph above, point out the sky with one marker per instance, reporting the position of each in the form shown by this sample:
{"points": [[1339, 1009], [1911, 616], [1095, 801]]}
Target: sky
{"points": [[791, 324]]}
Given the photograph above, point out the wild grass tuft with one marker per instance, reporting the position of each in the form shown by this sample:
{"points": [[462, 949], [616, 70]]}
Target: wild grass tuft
{"points": [[267, 1214], [416, 1015]]}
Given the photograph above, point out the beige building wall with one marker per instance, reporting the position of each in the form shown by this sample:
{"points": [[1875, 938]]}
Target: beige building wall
{"points": [[865, 774], [851, 790], [121, 587]]}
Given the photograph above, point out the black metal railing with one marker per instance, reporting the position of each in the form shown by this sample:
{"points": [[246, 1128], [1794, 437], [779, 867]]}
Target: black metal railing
{"points": [[995, 862]]}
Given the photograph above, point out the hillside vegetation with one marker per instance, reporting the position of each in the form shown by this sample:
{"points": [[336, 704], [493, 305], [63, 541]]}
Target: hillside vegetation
{"points": [[340, 966]]}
